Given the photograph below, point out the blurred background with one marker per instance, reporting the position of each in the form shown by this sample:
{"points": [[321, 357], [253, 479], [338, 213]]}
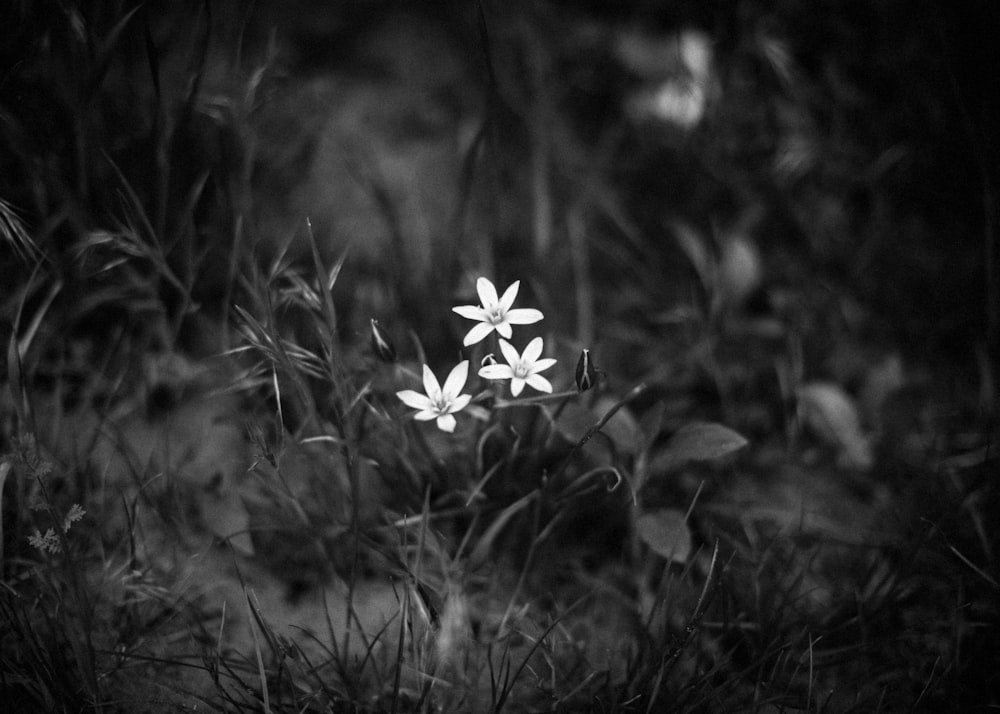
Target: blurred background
{"points": [[845, 149], [654, 172]]}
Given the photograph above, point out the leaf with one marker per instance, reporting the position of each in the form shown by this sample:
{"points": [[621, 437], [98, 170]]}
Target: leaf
{"points": [[666, 532], [740, 271], [882, 380], [649, 427], [696, 249], [829, 413], [701, 441], [622, 428]]}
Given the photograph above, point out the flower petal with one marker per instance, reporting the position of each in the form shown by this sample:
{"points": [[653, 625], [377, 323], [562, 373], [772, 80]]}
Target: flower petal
{"points": [[496, 371], [542, 364], [523, 316], [508, 295], [427, 415], [537, 381], [477, 333], [415, 400], [510, 353], [516, 385], [487, 293], [459, 403], [456, 380], [471, 312], [533, 351], [431, 385], [446, 422], [504, 329]]}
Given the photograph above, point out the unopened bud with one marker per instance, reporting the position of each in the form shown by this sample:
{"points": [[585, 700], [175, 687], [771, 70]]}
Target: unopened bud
{"points": [[586, 373], [381, 345]]}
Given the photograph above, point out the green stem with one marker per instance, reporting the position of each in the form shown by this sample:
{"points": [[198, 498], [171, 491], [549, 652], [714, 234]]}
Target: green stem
{"points": [[633, 393], [541, 399], [4, 469]]}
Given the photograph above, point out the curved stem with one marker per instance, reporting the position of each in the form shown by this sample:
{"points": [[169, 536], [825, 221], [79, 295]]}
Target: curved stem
{"points": [[527, 401]]}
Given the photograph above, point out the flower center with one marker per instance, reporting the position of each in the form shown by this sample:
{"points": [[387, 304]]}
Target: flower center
{"points": [[520, 370], [495, 313]]}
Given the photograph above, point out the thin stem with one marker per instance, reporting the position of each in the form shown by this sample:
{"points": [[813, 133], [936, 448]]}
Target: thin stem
{"points": [[522, 577], [4, 469], [541, 399], [352, 475], [633, 393]]}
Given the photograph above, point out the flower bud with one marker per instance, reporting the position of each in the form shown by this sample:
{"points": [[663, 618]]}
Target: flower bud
{"points": [[381, 345], [586, 373]]}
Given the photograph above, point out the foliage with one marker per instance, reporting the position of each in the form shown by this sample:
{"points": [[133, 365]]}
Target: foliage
{"points": [[235, 241]]}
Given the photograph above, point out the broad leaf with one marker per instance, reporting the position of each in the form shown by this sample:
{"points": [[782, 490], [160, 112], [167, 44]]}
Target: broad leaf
{"points": [[649, 427], [829, 413], [576, 419], [703, 441], [666, 533]]}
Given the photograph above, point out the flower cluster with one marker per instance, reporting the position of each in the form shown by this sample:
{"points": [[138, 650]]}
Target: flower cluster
{"points": [[494, 313]]}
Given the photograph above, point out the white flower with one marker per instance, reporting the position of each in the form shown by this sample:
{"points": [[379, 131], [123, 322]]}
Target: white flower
{"points": [[495, 313], [521, 368], [439, 403]]}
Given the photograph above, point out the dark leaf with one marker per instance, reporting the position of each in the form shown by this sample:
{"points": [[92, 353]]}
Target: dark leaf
{"points": [[666, 532], [703, 441]]}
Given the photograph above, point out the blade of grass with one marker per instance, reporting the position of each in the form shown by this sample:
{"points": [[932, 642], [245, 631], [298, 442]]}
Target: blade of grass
{"points": [[17, 349], [253, 619], [327, 280], [4, 470], [13, 232], [481, 551], [106, 53], [501, 701]]}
